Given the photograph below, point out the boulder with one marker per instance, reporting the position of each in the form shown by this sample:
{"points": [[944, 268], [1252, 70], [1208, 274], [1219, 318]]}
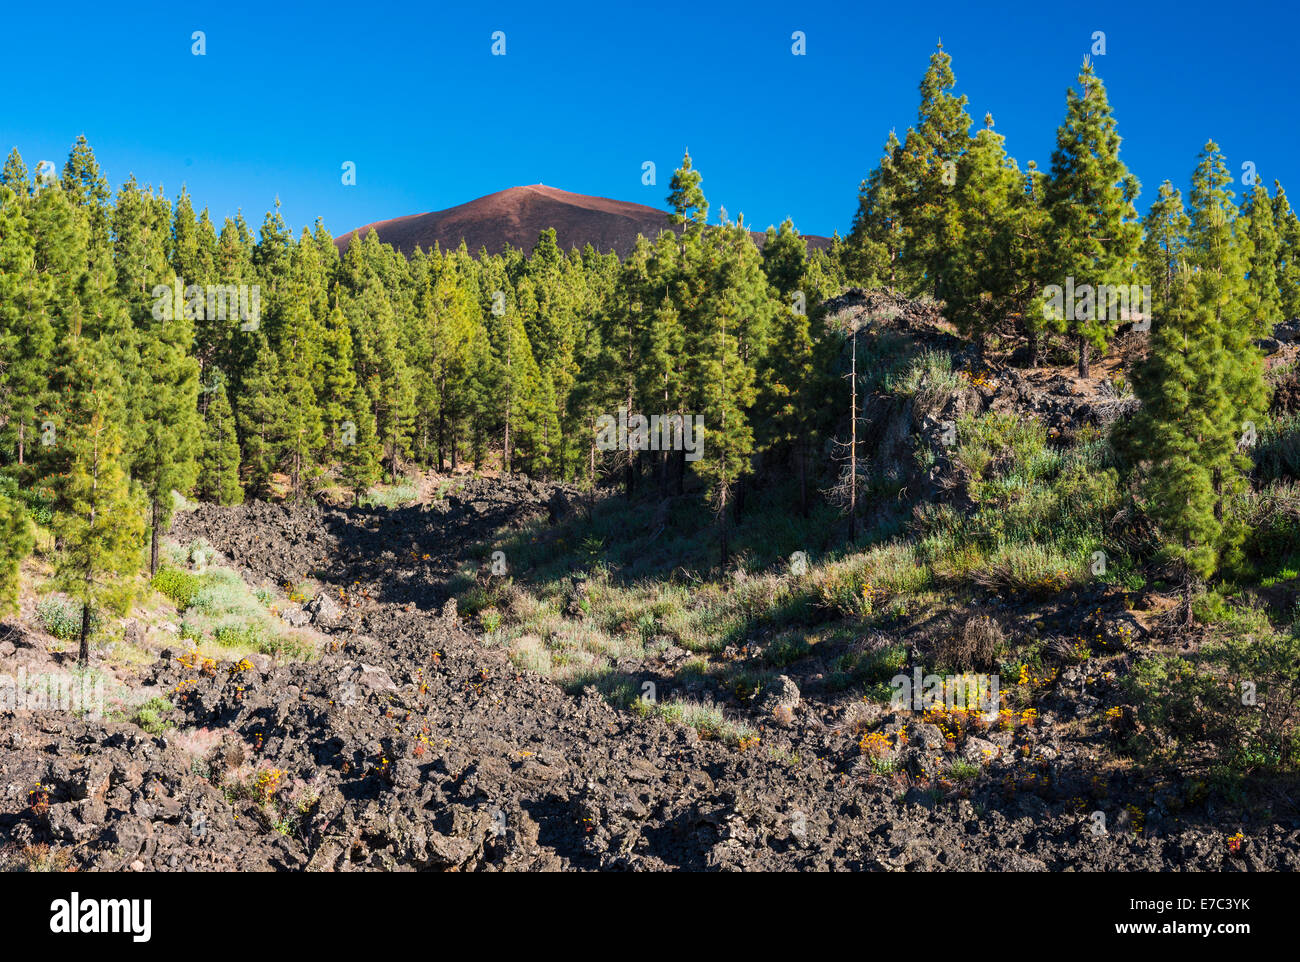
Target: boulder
{"points": [[323, 610], [781, 697]]}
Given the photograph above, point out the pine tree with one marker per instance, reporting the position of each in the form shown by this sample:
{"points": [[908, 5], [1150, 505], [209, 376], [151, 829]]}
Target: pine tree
{"points": [[26, 328], [787, 396], [1261, 243], [218, 468], [336, 377], [1164, 245], [1287, 225], [101, 525], [555, 282], [457, 331], [218, 337], [166, 402], [193, 259], [628, 366], [361, 450], [725, 391], [785, 259], [1030, 256], [382, 372], [1095, 233], [15, 175], [260, 415], [875, 242], [519, 381], [686, 198], [926, 173], [85, 185], [1201, 384], [271, 257], [297, 341], [1217, 251], [985, 275], [1181, 403], [735, 320], [16, 543]]}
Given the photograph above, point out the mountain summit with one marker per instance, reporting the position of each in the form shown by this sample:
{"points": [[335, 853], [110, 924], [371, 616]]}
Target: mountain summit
{"points": [[517, 215]]}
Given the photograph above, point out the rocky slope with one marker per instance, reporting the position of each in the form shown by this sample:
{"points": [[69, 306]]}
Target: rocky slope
{"points": [[410, 745]]}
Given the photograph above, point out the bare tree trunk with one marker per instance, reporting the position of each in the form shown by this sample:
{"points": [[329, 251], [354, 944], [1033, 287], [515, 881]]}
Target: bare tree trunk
{"points": [[1083, 356], [853, 444]]}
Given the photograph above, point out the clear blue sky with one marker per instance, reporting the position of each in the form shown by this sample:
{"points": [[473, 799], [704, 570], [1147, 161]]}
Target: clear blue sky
{"points": [[588, 91]]}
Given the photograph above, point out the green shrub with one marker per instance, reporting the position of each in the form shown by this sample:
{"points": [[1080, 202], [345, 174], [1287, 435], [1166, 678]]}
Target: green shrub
{"points": [[389, 496], [40, 505], [928, 379], [62, 618], [1277, 449], [180, 586], [200, 554], [1234, 702], [1271, 518], [148, 715], [240, 635]]}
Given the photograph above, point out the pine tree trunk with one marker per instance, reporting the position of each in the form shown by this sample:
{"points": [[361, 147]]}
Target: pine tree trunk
{"points": [[505, 443], [442, 427], [1083, 356], [803, 481], [83, 652], [722, 516], [153, 541], [22, 434]]}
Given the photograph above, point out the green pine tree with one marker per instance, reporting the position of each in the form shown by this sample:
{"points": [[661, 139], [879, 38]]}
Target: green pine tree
{"points": [[1164, 245], [686, 198], [926, 172], [218, 469], [1261, 244], [1287, 225], [1095, 232], [16, 543], [1218, 252], [26, 325], [361, 448], [875, 243], [1181, 403], [101, 524]]}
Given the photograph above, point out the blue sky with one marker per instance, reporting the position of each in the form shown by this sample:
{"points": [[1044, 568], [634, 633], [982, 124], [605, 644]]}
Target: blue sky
{"points": [[589, 91]]}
